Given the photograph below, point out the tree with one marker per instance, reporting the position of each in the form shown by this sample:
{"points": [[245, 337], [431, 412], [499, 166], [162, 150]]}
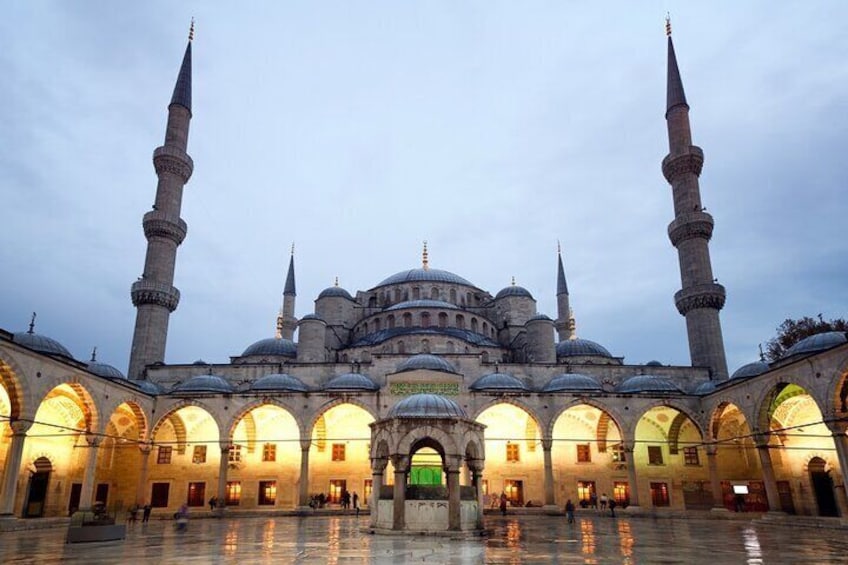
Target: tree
{"points": [[791, 332]]}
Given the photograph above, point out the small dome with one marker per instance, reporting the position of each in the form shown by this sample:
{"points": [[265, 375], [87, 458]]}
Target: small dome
{"points": [[814, 343], [705, 387], [572, 382], [499, 381], [272, 347], [204, 383], [104, 370], [435, 304], [539, 317], [514, 290], [279, 382], [581, 348], [426, 406], [653, 364], [200, 362], [424, 275], [647, 383], [41, 343], [335, 292], [149, 387], [312, 317], [750, 370], [427, 362], [352, 381]]}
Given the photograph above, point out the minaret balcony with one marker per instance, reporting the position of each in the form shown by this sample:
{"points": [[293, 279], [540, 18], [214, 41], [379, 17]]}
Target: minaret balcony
{"points": [[675, 165], [171, 159], [708, 295], [160, 224], [690, 225], [145, 291]]}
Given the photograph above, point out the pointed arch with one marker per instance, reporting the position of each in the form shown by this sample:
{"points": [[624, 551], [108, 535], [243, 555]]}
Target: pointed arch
{"points": [[13, 380]]}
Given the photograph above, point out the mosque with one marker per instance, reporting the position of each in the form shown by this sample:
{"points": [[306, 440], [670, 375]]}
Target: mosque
{"points": [[423, 380]]}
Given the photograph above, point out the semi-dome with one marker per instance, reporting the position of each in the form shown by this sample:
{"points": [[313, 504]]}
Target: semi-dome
{"points": [[278, 382], [149, 387], [104, 370], [814, 343], [705, 387], [435, 304], [335, 292], [499, 381], [351, 381], [424, 275], [514, 290], [41, 343], [750, 370], [205, 383], [272, 346], [647, 383], [426, 406], [427, 362], [572, 382], [581, 348]]}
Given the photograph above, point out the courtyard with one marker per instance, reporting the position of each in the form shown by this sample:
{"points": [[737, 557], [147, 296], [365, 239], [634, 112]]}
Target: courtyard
{"points": [[592, 539]]}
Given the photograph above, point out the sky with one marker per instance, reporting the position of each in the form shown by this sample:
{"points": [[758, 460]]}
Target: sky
{"points": [[357, 130]]}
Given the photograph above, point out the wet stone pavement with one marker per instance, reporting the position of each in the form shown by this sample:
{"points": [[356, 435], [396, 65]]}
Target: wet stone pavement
{"points": [[512, 539]]}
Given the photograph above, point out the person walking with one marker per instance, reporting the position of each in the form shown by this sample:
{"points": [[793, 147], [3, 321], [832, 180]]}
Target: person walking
{"points": [[593, 500], [356, 502], [503, 504], [213, 502], [604, 500], [612, 505], [145, 517], [569, 511], [182, 518]]}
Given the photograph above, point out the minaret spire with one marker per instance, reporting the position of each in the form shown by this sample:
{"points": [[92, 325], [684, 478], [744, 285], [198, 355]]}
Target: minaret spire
{"points": [[562, 324], [153, 294], [700, 298], [286, 322]]}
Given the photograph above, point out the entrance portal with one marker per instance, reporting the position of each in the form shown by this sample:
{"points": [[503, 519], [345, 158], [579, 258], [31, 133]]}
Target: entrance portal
{"points": [[37, 491], [822, 487]]}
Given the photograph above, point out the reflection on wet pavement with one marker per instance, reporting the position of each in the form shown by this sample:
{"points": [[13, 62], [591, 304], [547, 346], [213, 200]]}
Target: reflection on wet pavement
{"points": [[513, 539]]}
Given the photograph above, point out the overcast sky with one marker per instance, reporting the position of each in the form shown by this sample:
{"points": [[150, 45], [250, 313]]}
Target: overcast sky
{"points": [[359, 129]]}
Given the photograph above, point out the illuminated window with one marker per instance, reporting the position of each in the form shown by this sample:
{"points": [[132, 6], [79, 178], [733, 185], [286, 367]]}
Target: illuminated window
{"points": [[199, 455], [196, 494], [618, 454], [485, 486], [584, 454], [159, 495], [338, 452], [235, 454], [163, 456], [585, 489], [659, 494], [513, 453], [621, 493], [233, 493], [655, 455], [267, 493], [367, 489], [690, 456], [269, 452]]}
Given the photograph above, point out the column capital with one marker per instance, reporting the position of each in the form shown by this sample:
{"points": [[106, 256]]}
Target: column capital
{"points": [[225, 446], [92, 440], [837, 427], [711, 449], [547, 444], [305, 444], [400, 463], [145, 448], [378, 465], [20, 427]]}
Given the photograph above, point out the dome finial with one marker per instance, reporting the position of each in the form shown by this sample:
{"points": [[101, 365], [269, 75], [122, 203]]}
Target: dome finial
{"points": [[32, 324], [762, 355], [425, 258], [191, 30], [513, 280], [292, 249], [336, 284], [559, 248], [94, 354], [668, 24]]}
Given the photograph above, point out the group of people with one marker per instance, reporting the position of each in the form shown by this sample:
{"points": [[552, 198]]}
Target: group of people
{"points": [[132, 516], [347, 500], [592, 502]]}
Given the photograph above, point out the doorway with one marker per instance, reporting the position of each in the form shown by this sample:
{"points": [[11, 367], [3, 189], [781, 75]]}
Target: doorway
{"points": [[337, 488], [514, 492], [822, 487], [74, 501], [37, 490]]}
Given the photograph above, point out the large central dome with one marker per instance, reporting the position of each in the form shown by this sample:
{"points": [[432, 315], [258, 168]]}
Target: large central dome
{"points": [[424, 275]]}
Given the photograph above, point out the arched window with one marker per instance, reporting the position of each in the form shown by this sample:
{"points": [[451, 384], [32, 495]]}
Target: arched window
{"points": [[484, 357], [485, 328], [474, 325], [468, 298], [449, 346], [416, 293], [460, 321], [407, 320], [453, 296], [397, 295], [443, 320], [372, 302], [425, 346], [405, 294], [390, 321], [377, 325], [425, 319], [434, 293], [401, 347]]}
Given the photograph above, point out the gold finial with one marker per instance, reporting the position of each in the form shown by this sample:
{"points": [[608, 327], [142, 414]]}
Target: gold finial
{"points": [[93, 354], [191, 31], [559, 248], [32, 324], [425, 258], [337, 281], [513, 280], [292, 249], [668, 24]]}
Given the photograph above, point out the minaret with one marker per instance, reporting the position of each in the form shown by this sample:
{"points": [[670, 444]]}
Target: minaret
{"points": [[153, 294], [700, 298], [563, 324], [286, 322]]}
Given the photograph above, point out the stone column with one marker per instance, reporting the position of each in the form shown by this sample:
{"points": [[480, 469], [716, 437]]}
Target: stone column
{"points": [[768, 474], [840, 441], [141, 488], [399, 495], [378, 467], [87, 491], [477, 478], [715, 480], [454, 499], [223, 469], [550, 502], [9, 491], [303, 486], [630, 454]]}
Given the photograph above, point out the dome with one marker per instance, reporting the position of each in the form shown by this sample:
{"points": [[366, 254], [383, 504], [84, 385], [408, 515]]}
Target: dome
{"points": [[572, 382], [424, 275], [539, 317], [653, 364], [272, 346], [581, 348], [335, 292], [647, 383], [41, 343], [705, 387], [200, 362], [104, 370], [499, 381], [312, 317], [435, 304], [750, 370], [514, 290], [817, 342], [351, 381], [204, 383], [426, 406], [149, 387], [427, 362], [279, 382]]}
